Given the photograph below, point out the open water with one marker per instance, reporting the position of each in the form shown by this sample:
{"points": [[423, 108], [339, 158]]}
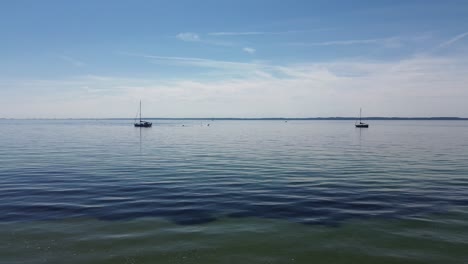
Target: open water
{"points": [[103, 191]]}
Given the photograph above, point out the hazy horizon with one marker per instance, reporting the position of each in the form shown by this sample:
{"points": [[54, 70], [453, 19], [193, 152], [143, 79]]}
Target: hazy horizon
{"points": [[249, 118], [260, 59]]}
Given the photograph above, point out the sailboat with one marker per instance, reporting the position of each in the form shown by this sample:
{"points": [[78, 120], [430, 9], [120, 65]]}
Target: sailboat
{"points": [[361, 124], [142, 123]]}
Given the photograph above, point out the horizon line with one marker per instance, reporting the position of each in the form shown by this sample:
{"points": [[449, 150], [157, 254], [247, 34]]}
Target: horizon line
{"points": [[245, 118]]}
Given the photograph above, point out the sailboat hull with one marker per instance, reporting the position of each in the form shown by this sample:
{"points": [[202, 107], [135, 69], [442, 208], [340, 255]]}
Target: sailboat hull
{"points": [[362, 125], [146, 124]]}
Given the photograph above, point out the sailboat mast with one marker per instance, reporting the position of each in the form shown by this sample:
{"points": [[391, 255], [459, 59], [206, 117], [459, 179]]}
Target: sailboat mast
{"points": [[140, 111], [360, 112]]}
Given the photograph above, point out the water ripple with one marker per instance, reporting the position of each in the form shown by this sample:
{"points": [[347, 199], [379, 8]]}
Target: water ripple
{"points": [[312, 172]]}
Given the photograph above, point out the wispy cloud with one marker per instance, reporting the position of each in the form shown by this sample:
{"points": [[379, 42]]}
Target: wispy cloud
{"points": [[194, 37], [453, 40], [247, 33], [249, 50], [217, 69], [346, 42], [72, 61], [390, 42], [407, 87], [201, 62], [188, 36]]}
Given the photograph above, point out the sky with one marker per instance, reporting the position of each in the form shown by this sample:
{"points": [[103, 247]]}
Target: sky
{"points": [[233, 58]]}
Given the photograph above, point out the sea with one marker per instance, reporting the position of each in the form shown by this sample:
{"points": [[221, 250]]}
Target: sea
{"points": [[233, 191]]}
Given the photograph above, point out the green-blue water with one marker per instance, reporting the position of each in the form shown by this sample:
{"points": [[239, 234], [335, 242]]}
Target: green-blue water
{"points": [[87, 191]]}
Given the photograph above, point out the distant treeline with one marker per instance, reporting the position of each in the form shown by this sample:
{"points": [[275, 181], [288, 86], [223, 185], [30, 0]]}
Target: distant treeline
{"points": [[315, 118], [269, 118]]}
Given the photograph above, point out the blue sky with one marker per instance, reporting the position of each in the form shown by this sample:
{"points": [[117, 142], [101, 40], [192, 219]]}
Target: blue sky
{"points": [[233, 58]]}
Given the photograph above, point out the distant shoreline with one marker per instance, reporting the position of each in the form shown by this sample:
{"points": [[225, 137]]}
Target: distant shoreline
{"points": [[259, 119]]}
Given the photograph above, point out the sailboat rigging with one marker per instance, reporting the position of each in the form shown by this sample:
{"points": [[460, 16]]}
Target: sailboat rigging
{"points": [[361, 124], [142, 123]]}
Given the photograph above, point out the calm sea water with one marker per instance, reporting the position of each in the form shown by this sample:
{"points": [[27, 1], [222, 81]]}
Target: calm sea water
{"points": [[233, 192]]}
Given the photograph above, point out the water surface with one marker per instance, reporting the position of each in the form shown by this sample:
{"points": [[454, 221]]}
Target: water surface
{"points": [[103, 191]]}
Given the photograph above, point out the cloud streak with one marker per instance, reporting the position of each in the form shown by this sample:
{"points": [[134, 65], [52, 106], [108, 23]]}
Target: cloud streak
{"points": [[391, 42], [188, 36], [252, 33], [200, 62], [453, 40], [226, 67], [249, 50], [194, 37], [245, 33], [73, 61]]}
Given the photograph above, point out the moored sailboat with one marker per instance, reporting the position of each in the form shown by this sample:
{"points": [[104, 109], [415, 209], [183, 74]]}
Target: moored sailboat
{"points": [[142, 123], [361, 124]]}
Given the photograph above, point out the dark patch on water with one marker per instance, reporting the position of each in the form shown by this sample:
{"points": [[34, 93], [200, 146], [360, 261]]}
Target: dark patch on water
{"points": [[186, 204]]}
